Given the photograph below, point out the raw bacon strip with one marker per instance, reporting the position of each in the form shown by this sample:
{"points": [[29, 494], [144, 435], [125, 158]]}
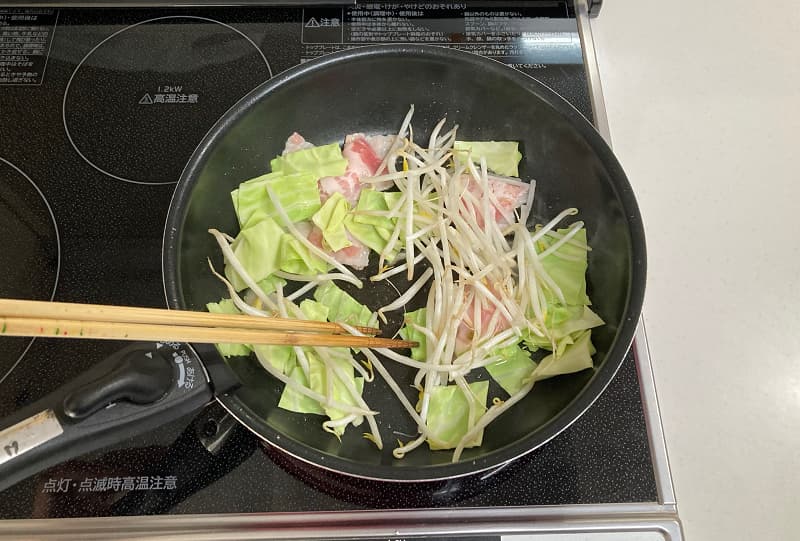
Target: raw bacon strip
{"points": [[510, 196], [381, 144], [467, 328], [356, 255], [362, 158], [362, 161], [347, 185], [294, 143]]}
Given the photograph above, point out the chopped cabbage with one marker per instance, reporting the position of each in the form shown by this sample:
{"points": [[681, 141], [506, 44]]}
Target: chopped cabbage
{"points": [[282, 358], [330, 220], [256, 249], [313, 310], [297, 194], [409, 333], [502, 157], [374, 231], [448, 414], [576, 357], [514, 369], [342, 307], [567, 266], [321, 161], [297, 258], [318, 381], [292, 400]]}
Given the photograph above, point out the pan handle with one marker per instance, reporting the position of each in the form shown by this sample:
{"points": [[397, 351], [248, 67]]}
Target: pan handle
{"points": [[137, 389]]}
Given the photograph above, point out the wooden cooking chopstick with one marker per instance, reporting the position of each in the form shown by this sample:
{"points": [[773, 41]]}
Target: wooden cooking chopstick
{"points": [[132, 314], [111, 330], [64, 327]]}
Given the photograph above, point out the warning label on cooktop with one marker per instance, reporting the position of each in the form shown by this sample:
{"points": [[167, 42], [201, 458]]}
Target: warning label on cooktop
{"points": [[514, 35], [25, 38]]}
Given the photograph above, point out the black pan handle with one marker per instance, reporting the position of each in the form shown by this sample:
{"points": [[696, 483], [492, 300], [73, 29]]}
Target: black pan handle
{"points": [[137, 389]]}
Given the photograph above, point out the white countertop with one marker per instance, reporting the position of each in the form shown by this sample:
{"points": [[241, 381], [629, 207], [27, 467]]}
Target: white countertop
{"points": [[703, 100]]}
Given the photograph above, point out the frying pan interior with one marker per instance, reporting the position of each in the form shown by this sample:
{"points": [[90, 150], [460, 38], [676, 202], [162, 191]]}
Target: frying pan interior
{"points": [[369, 90]]}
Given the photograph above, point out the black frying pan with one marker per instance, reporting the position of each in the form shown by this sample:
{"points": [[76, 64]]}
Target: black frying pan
{"points": [[368, 90]]}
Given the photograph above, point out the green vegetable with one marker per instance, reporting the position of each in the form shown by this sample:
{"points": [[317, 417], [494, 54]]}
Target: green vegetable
{"points": [[569, 271], [318, 381], [557, 314], [448, 414], [374, 231], [513, 370], [330, 220], [580, 318], [374, 238], [341, 394], [256, 249], [250, 200], [313, 310], [270, 283], [226, 306], [291, 400], [297, 258], [502, 157], [409, 333], [586, 320], [371, 201], [576, 357], [343, 308], [322, 161], [282, 358], [297, 194], [564, 320]]}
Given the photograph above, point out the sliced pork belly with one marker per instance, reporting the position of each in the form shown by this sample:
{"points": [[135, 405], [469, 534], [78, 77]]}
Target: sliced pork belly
{"points": [[356, 255], [295, 142], [509, 195], [363, 160], [468, 327]]}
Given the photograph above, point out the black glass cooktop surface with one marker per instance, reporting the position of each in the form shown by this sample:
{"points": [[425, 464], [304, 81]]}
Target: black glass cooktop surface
{"points": [[99, 112]]}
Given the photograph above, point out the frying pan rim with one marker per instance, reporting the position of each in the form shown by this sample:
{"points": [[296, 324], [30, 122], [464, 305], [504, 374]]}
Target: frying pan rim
{"points": [[591, 390]]}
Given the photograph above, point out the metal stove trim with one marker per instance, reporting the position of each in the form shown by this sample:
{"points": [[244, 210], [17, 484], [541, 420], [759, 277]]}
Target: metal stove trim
{"points": [[610, 518], [652, 413], [641, 352]]}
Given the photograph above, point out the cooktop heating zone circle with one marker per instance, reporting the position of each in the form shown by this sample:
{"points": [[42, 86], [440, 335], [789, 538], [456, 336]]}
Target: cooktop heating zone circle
{"points": [[30, 258], [140, 101]]}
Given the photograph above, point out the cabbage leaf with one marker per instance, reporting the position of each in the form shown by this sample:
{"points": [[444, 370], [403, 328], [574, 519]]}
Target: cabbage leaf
{"points": [[512, 371], [330, 220], [297, 258], [257, 250], [321, 161], [297, 193], [576, 357], [502, 157], [418, 317], [342, 307], [448, 414]]}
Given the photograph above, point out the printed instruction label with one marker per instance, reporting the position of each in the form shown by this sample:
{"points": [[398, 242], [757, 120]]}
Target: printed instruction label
{"points": [[529, 36], [110, 484], [25, 39]]}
